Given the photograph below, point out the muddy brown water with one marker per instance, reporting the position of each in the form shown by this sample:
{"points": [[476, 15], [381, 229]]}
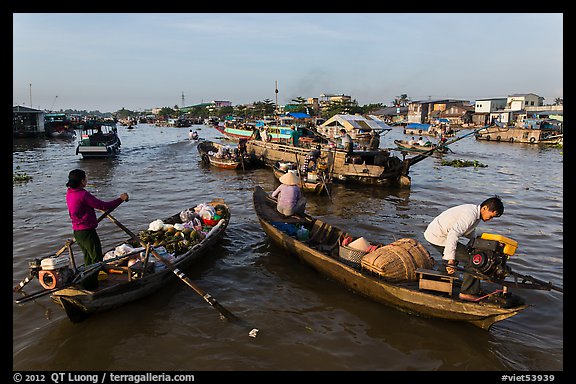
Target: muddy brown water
{"points": [[305, 322]]}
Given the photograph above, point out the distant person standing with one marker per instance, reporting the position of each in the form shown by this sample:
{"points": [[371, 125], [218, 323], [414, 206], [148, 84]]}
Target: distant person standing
{"points": [[265, 134], [347, 141], [255, 134], [374, 140], [294, 136]]}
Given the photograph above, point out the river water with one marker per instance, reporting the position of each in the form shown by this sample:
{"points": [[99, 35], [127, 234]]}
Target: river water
{"points": [[305, 322]]}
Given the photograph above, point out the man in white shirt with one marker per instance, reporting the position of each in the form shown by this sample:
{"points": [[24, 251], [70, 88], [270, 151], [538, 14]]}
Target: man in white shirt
{"points": [[461, 221], [347, 142]]}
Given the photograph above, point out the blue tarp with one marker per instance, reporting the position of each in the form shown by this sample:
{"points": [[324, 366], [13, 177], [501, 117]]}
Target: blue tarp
{"points": [[418, 126], [299, 115]]}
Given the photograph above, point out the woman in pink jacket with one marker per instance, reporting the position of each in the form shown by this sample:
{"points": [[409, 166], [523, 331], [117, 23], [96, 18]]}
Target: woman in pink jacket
{"points": [[81, 206]]}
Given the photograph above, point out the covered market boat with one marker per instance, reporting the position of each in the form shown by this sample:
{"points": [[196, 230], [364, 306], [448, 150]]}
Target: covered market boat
{"points": [[136, 268], [399, 274]]}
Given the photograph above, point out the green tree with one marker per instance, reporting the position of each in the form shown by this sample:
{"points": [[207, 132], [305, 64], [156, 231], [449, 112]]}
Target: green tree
{"points": [[401, 101], [558, 101], [369, 108]]}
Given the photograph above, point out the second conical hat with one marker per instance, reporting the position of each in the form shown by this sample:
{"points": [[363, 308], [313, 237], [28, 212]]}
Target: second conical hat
{"points": [[290, 178], [360, 244]]}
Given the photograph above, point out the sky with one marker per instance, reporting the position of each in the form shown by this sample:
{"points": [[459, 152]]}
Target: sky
{"points": [[139, 61]]}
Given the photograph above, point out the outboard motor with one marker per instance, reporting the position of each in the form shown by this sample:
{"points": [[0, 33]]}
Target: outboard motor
{"points": [[54, 272], [489, 253]]}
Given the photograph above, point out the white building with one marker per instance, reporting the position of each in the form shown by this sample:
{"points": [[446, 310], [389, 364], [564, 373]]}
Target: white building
{"points": [[520, 101], [490, 105]]}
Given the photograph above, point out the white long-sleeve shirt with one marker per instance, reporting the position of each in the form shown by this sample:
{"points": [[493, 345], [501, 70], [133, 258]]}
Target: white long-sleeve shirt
{"points": [[450, 225]]}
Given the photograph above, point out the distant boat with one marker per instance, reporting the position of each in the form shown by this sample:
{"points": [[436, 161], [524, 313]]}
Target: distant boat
{"points": [[404, 144], [533, 131], [311, 182], [59, 125], [429, 129], [98, 139], [224, 156]]}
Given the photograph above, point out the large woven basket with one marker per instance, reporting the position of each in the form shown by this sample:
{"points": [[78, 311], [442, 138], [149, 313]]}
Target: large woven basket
{"points": [[398, 261], [350, 255]]}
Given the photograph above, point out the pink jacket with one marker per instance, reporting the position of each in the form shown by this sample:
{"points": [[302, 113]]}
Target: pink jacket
{"points": [[81, 205]]}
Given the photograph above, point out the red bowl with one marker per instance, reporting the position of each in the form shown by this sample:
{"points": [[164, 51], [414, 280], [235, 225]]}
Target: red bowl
{"points": [[210, 222]]}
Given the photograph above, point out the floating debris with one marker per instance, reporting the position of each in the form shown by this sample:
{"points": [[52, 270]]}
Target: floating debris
{"points": [[20, 177], [463, 163]]}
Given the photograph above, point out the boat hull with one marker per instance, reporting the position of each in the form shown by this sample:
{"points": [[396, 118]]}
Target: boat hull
{"points": [[405, 296], [402, 144], [519, 135]]}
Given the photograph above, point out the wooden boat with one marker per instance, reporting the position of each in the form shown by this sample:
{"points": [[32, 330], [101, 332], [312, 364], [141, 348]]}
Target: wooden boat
{"points": [[362, 166], [276, 132], [312, 182], [123, 283], [98, 139], [322, 252], [405, 145], [224, 156], [59, 125], [532, 132], [420, 129]]}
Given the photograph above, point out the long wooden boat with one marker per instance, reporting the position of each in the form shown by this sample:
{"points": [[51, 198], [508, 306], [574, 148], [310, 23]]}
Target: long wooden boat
{"points": [[224, 156], [545, 134], [275, 132], [123, 282], [312, 182], [362, 166], [405, 145], [98, 139], [321, 251]]}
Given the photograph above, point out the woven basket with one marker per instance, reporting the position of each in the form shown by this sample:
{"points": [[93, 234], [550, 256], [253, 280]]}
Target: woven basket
{"points": [[350, 255], [398, 261]]}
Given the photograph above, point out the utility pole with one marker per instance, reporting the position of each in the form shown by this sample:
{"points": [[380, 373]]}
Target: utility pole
{"points": [[276, 91], [30, 95], [182, 106]]}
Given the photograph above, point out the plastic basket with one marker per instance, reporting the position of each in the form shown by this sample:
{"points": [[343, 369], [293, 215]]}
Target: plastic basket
{"points": [[210, 222], [350, 255]]}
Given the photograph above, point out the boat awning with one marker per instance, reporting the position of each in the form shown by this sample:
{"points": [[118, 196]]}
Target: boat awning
{"points": [[299, 115], [350, 122]]}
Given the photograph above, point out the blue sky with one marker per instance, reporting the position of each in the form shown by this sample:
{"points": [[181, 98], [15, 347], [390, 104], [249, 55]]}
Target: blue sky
{"points": [[109, 61]]}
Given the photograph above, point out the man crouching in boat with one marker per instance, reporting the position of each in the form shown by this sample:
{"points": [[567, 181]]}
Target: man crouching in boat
{"points": [[461, 221], [290, 198]]}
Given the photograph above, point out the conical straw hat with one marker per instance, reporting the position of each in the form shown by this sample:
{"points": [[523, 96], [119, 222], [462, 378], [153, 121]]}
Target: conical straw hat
{"points": [[360, 244], [290, 178]]}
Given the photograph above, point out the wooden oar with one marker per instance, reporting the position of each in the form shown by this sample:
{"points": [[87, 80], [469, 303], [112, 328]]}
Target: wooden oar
{"points": [[206, 296], [69, 242], [321, 175]]}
